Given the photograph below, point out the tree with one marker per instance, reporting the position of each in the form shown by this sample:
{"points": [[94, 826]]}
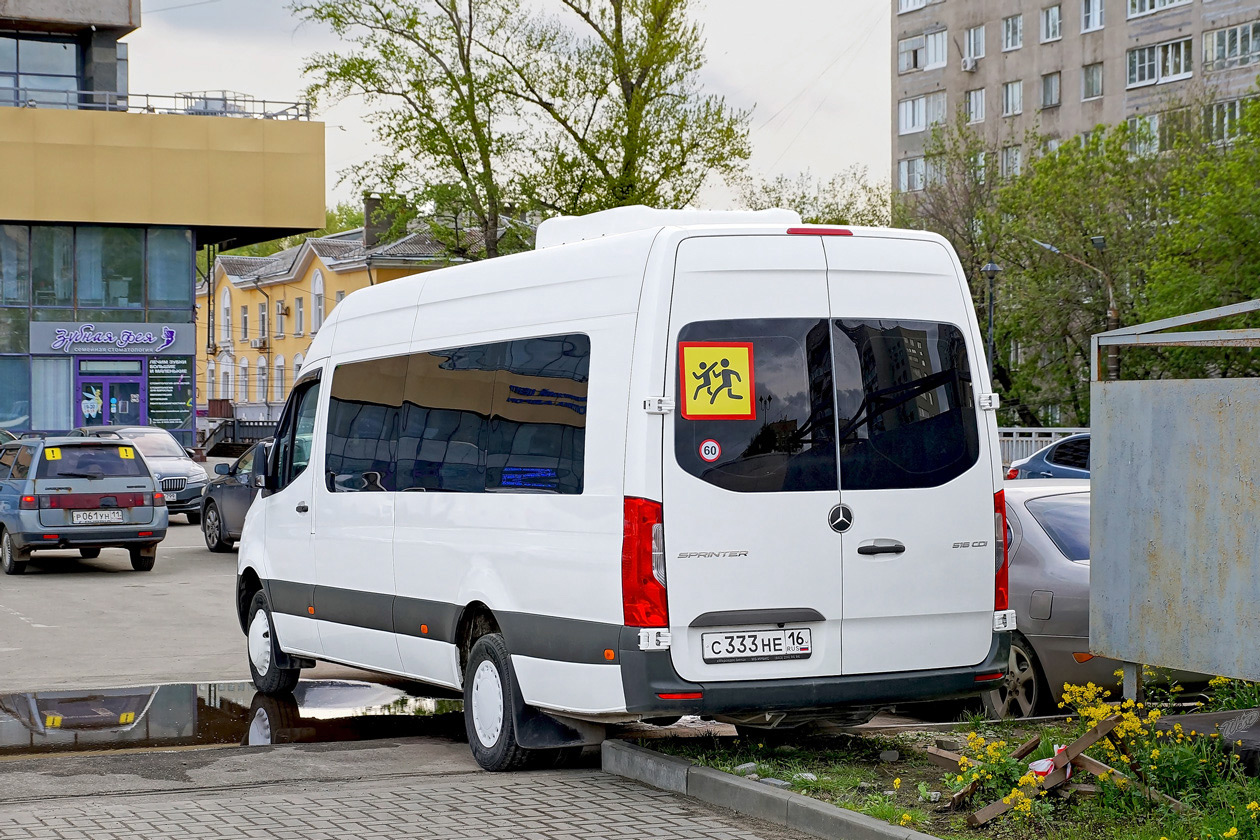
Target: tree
{"points": [[848, 198], [624, 118], [446, 116]]}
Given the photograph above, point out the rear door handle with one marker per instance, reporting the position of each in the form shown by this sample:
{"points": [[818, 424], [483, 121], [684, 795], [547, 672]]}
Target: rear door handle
{"points": [[301, 507], [881, 547]]}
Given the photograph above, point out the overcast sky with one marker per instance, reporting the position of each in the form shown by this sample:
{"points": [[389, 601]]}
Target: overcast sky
{"points": [[815, 72]]}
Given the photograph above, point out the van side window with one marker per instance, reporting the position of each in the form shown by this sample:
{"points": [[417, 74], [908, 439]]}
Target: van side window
{"points": [[296, 433], [788, 444], [905, 402], [22, 464], [503, 417], [6, 461]]}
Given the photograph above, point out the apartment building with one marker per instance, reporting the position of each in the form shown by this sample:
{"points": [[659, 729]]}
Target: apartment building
{"points": [[107, 194], [1008, 67]]}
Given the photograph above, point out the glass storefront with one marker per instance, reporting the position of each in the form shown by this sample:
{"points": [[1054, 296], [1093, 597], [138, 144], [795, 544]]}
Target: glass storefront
{"points": [[96, 327]]}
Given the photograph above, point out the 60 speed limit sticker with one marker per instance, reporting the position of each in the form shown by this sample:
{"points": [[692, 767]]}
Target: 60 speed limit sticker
{"points": [[710, 450]]}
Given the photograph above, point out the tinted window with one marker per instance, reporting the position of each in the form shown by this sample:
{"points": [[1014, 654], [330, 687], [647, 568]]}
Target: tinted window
{"points": [[89, 461], [6, 461], [1071, 453], [1066, 520], [787, 441], [22, 464], [154, 443], [364, 412], [245, 465], [904, 398], [296, 431]]}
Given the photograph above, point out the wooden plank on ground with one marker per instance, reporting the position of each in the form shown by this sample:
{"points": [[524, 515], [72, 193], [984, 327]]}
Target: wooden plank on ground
{"points": [[943, 758]]}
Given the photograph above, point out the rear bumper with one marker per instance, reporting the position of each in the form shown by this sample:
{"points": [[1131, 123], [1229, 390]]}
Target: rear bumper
{"points": [[94, 538], [648, 674]]}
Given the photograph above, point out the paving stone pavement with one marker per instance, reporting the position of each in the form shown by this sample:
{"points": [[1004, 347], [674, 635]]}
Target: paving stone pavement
{"points": [[552, 805]]}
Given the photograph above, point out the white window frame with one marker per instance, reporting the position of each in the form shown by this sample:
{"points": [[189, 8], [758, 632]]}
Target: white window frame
{"points": [[1219, 53], [1154, 64], [1142, 8], [1176, 60], [317, 301], [263, 329], [1093, 15], [212, 386], [280, 318], [973, 44], [912, 115], [1221, 120], [1051, 24], [299, 316], [261, 378], [225, 316], [1013, 98], [242, 382], [1011, 164], [978, 166], [1012, 32], [975, 106], [1085, 74], [936, 50], [904, 6], [911, 174], [910, 52], [244, 322], [1144, 134], [1055, 80], [935, 108]]}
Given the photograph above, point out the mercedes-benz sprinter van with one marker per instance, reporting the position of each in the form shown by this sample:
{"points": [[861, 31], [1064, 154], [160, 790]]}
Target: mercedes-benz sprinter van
{"points": [[668, 463]]}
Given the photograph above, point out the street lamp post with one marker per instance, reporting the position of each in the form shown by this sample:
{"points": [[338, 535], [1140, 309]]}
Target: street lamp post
{"points": [[990, 271]]}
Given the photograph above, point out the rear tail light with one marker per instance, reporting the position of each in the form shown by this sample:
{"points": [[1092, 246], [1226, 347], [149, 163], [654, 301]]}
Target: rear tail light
{"points": [[1013, 472], [30, 502], [1001, 585], [643, 565], [159, 500], [1082, 658]]}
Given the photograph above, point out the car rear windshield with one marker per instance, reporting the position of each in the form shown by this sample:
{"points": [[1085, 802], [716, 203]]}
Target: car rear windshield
{"points": [[154, 443], [1066, 519], [90, 461], [764, 402]]}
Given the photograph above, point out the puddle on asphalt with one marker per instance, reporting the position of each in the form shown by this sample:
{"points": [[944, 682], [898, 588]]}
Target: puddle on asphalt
{"points": [[217, 714]]}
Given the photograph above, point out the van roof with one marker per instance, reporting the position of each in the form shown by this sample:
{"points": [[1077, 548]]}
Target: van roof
{"points": [[562, 230]]}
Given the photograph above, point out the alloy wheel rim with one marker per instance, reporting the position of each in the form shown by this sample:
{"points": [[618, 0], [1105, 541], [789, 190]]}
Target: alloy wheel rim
{"points": [[487, 703], [6, 551], [211, 525], [260, 642], [1018, 695]]}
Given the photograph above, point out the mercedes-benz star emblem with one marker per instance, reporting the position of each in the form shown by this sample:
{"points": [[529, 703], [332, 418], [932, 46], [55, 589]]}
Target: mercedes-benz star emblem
{"points": [[840, 518]]}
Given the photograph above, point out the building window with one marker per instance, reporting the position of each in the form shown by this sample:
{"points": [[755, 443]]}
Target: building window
{"points": [[225, 383], [1051, 24], [52, 392], [1091, 81], [225, 318], [1012, 32], [299, 318], [1144, 134], [297, 365], [977, 166], [170, 268], [278, 394], [110, 267], [52, 266], [1160, 63], [910, 5], [1146, 7], [261, 386], [973, 46], [911, 115], [15, 392], [244, 323], [937, 50], [910, 174], [910, 54], [1236, 46], [339, 297], [242, 383], [1013, 98], [1011, 163], [1091, 15], [15, 259], [317, 301], [1050, 90], [40, 70], [280, 319], [975, 106], [211, 384], [263, 332], [1220, 120]]}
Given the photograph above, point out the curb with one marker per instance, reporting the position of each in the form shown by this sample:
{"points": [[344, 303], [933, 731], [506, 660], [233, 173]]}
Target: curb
{"points": [[790, 810]]}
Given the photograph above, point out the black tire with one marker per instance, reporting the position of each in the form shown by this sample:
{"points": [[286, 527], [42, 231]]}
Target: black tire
{"points": [[272, 720], [1024, 693], [194, 517], [10, 557], [264, 652], [212, 529], [142, 559], [491, 731], [89, 553]]}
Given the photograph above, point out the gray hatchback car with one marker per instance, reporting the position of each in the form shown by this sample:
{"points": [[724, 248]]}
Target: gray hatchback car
{"points": [[74, 492]]}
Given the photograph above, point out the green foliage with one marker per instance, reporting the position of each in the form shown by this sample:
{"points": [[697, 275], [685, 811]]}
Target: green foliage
{"points": [[849, 198]]}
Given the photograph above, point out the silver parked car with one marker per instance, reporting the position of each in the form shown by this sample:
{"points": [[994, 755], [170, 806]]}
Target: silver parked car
{"points": [[1048, 538], [181, 478]]}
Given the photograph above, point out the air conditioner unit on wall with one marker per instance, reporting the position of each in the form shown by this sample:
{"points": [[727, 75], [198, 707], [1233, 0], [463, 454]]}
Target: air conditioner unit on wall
{"points": [[282, 307], [969, 65], [258, 343]]}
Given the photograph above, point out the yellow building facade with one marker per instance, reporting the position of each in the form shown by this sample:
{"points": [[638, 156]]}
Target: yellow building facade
{"points": [[257, 316]]}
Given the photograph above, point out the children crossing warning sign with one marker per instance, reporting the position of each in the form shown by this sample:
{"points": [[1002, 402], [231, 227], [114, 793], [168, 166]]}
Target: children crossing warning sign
{"points": [[717, 380]]}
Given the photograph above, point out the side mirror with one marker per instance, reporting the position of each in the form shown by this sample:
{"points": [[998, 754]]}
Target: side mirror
{"points": [[191, 453], [260, 481], [222, 469]]}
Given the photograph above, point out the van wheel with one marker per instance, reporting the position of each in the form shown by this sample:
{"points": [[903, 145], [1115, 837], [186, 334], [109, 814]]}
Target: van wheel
{"points": [[212, 529], [1024, 692], [89, 553], [272, 720], [9, 556], [142, 559], [265, 653], [488, 704]]}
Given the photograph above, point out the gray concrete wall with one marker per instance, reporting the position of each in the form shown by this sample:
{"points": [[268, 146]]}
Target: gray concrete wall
{"points": [[70, 15]]}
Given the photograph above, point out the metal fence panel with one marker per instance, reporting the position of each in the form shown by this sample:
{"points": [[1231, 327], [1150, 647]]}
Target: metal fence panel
{"points": [[1174, 537]]}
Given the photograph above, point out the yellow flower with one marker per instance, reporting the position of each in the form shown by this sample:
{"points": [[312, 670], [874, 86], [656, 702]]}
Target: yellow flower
{"points": [[896, 784], [905, 819], [1233, 832], [1253, 806], [963, 763], [1154, 754]]}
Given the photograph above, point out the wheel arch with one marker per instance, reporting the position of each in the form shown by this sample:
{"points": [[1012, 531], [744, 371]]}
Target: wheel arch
{"points": [[475, 620], [247, 583]]}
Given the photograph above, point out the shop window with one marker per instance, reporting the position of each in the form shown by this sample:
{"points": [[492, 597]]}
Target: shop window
{"points": [[52, 266], [110, 264], [15, 329], [15, 392], [170, 267], [52, 394], [14, 263]]}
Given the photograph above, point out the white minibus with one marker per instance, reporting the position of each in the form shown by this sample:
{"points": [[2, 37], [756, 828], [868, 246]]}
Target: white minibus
{"points": [[668, 463]]}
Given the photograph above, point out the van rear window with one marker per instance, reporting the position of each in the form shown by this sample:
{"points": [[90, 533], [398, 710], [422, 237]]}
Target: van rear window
{"points": [[89, 461], [796, 405]]}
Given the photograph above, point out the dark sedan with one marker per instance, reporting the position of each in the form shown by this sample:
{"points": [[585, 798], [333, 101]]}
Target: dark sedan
{"points": [[227, 497]]}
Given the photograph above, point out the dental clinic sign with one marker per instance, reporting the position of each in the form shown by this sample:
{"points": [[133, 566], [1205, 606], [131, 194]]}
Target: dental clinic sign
{"points": [[112, 339]]}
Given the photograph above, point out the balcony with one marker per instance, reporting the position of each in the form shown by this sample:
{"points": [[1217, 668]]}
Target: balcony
{"points": [[208, 103]]}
